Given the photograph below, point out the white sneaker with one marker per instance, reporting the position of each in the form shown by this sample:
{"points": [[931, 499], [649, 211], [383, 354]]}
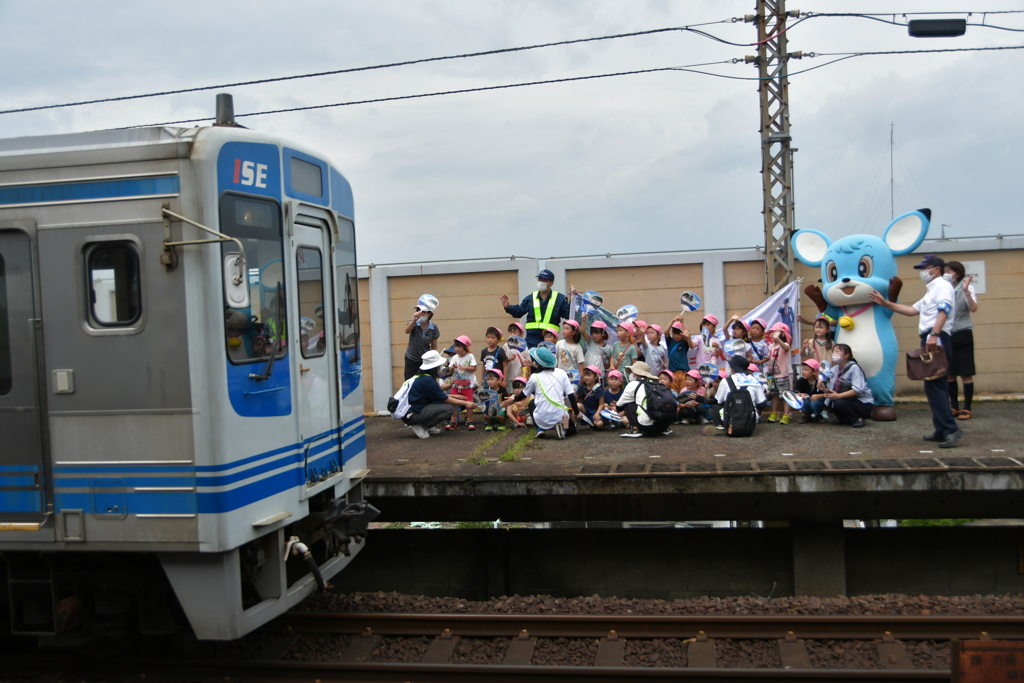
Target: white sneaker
{"points": [[559, 431], [667, 432], [631, 434], [434, 430], [419, 431]]}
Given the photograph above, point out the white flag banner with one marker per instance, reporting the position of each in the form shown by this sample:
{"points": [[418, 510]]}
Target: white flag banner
{"points": [[782, 306]]}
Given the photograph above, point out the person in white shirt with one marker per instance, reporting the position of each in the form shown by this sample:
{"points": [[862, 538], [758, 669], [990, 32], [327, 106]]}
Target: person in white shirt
{"points": [[633, 401], [937, 316], [551, 390], [743, 380]]}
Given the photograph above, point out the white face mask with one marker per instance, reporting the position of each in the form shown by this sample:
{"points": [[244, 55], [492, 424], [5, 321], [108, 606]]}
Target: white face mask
{"points": [[542, 286], [926, 276], [836, 357], [948, 277]]}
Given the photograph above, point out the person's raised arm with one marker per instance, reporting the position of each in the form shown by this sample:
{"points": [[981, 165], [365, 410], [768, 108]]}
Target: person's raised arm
{"points": [[902, 309]]}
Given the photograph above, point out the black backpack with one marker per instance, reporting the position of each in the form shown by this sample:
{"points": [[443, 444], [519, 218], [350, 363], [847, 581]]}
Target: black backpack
{"points": [[659, 403], [740, 414]]}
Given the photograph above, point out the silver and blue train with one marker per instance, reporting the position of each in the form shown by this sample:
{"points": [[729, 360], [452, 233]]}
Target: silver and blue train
{"points": [[181, 411]]}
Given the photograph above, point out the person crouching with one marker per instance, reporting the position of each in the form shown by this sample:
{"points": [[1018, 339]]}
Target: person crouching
{"points": [[550, 388], [634, 396]]}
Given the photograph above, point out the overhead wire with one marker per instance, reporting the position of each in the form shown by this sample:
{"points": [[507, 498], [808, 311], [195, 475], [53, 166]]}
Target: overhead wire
{"points": [[689, 68], [693, 68], [263, 81]]}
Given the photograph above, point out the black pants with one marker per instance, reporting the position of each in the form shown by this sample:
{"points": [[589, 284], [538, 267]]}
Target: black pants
{"points": [[431, 415], [647, 430], [849, 410], [412, 366], [938, 393]]}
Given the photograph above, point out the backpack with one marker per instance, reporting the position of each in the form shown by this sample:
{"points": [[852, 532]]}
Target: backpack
{"points": [[740, 414], [659, 403], [398, 405]]}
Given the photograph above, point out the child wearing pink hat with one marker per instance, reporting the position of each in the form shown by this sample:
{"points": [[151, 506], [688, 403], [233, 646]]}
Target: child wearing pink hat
{"points": [[778, 371], [588, 395], [609, 400], [463, 366], [568, 351], [710, 352], [597, 350], [655, 350], [692, 402], [624, 351], [806, 387]]}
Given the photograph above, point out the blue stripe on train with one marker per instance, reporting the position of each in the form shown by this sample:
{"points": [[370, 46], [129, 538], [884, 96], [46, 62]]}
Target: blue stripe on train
{"points": [[321, 456], [21, 501], [89, 189]]}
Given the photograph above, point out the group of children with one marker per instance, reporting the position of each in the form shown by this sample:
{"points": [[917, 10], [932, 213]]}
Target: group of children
{"points": [[599, 371]]}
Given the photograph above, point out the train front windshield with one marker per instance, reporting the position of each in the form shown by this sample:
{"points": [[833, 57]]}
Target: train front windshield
{"points": [[251, 333]]}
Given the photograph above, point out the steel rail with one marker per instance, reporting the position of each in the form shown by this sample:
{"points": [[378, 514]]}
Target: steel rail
{"points": [[305, 672], [853, 627]]}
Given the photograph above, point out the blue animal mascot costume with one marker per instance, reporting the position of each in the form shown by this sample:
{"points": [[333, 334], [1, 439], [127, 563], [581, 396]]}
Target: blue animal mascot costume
{"points": [[850, 268]]}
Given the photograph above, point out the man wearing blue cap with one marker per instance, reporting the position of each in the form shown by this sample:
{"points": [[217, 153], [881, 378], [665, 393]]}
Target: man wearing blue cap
{"points": [[544, 309], [936, 314]]}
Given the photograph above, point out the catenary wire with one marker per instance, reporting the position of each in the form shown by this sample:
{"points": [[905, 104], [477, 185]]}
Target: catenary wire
{"points": [[426, 60], [690, 69], [438, 94], [692, 29]]}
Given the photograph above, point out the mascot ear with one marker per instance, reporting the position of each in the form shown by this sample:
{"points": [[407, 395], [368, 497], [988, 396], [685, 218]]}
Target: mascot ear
{"points": [[810, 246], [906, 232]]}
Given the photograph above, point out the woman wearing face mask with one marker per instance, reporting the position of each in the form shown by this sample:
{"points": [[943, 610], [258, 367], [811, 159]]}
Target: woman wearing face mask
{"points": [[846, 389], [937, 314], [962, 336]]}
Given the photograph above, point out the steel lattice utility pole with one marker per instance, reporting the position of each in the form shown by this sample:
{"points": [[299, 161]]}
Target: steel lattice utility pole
{"points": [[776, 153]]}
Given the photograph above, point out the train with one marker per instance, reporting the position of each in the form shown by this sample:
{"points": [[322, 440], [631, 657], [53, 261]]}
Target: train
{"points": [[181, 411]]}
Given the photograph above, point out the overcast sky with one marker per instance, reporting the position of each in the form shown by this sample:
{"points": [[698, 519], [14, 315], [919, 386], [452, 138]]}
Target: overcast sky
{"points": [[660, 161]]}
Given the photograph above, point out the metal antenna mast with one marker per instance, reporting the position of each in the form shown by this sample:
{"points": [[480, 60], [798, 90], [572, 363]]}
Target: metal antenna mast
{"points": [[776, 152]]}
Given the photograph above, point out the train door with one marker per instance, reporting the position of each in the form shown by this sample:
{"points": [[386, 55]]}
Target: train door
{"points": [[350, 365], [316, 397], [22, 467]]}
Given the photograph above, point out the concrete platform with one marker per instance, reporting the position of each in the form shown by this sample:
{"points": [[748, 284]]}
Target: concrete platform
{"points": [[802, 473]]}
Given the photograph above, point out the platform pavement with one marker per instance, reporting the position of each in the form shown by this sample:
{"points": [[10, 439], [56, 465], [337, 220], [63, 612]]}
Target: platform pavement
{"points": [[995, 431]]}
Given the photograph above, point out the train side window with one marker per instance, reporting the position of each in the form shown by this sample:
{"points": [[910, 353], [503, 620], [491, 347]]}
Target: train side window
{"points": [[309, 266], [347, 292], [115, 297], [6, 377], [251, 333]]}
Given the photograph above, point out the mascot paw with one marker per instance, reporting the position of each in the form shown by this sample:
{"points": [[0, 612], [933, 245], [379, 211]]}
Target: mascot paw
{"points": [[813, 293], [895, 285], [883, 414]]}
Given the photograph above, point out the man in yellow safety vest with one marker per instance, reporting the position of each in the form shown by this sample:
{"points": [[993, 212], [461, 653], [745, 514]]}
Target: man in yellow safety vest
{"points": [[544, 309]]}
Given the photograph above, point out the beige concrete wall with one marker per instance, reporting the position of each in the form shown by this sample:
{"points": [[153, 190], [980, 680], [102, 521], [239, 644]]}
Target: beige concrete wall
{"points": [[469, 304], [744, 287], [654, 290]]}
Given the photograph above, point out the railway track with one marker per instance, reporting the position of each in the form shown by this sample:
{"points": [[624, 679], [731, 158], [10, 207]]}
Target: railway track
{"points": [[352, 643]]}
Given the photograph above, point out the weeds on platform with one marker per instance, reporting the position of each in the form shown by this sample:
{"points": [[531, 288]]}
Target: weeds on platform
{"points": [[478, 454], [512, 454]]}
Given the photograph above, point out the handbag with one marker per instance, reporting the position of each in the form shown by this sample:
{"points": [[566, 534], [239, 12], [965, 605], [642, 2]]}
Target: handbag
{"points": [[925, 365]]}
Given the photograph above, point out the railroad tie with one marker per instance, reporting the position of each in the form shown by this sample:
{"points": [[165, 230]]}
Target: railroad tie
{"points": [[892, 654], [610, 651], [793, 653], [361, 648], [700, 653], [441, 649], [520, 650]]}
